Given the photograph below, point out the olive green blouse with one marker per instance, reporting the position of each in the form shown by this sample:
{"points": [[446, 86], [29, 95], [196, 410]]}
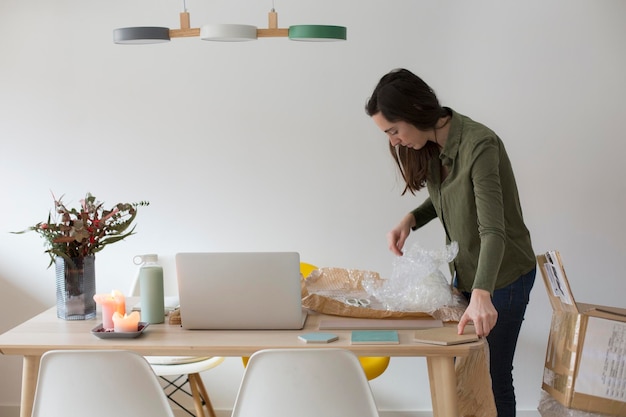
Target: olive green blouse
{"points": [[479, 207]]}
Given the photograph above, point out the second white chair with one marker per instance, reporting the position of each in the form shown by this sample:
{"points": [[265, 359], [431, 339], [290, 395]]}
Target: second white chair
{"points": [[305, 383]]}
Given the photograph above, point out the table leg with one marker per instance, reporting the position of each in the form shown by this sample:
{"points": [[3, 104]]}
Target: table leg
{"points": [[30, 370], [442, 378]]}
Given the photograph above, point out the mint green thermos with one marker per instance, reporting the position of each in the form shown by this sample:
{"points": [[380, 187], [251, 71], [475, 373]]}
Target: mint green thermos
{"points": [[152, 299]]}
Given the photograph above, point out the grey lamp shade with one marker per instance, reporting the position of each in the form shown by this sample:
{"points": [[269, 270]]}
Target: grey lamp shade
{"points": [[141, 35], [317, 33]]}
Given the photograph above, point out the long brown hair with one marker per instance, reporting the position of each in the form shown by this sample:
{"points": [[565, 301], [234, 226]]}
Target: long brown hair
{"points": [[403, 96]]}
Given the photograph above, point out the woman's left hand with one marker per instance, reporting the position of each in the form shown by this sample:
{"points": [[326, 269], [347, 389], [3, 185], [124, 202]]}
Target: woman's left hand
{"points": [[481, 312]]}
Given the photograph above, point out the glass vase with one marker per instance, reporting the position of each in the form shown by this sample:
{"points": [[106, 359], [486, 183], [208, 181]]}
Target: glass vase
{"points": [[76, 286]]}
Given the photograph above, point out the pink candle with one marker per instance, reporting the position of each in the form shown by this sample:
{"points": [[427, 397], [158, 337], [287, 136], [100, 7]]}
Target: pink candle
{"points": [[110, 303], [126, 323]]}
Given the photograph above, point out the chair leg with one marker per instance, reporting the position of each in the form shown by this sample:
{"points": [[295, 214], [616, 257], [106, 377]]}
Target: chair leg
{"points": [[200, 395], [173, 386]]}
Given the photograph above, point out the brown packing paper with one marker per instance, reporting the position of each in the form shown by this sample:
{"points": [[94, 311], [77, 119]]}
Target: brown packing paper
{"points": [[174, 317], [325, 290], [473, 385]]}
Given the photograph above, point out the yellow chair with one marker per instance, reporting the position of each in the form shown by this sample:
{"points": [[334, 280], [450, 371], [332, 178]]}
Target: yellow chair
{"points": [[306, 269], [373, 366]]}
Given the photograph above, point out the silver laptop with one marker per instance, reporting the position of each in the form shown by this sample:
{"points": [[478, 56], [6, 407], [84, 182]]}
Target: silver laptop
{"points": [[240, 290]]}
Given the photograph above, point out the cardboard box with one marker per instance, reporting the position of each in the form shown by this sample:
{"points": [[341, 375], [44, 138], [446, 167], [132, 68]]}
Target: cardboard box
{"points": [[585, 365]]}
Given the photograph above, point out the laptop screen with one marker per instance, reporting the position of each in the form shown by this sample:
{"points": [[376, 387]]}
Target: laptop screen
{"points": [[239, 290]]}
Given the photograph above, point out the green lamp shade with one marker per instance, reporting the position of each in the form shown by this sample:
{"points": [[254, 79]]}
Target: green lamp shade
{"points": [[317, 33], [141, 35]]}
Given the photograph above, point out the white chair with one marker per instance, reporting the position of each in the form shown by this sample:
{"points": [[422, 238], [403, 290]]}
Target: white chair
{"points": [[177, 371], [306, 382], [98, 383], [373, 366]]}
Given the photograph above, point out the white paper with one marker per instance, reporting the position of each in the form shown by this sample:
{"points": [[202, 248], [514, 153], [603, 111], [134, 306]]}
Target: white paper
{"points": [[602, 369], [558, 284]]}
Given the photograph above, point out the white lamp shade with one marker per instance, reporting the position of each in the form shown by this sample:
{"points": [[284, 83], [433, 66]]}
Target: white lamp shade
{"points": [[228, 32]]}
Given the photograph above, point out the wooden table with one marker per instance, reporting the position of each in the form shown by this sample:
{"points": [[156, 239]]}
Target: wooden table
{"points": [[45, 332]]}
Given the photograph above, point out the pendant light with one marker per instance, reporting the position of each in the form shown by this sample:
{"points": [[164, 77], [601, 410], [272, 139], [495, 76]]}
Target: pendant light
{"points": [[141, 35], [302, 32], [317, 33], [228, 32], [151, 34]]}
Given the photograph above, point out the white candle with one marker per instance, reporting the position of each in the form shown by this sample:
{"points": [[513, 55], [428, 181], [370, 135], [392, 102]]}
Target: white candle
{"points": [[126, 323]]}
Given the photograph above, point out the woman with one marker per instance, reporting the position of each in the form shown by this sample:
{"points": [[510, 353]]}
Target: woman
{"points": [[472, 191]]}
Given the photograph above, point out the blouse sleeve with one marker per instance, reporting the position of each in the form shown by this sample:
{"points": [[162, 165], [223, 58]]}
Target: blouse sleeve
{"points": [[424, 213], [490, 212]]}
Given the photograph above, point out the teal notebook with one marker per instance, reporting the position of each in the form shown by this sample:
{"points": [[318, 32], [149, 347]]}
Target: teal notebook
{"points": [[318, 337], [374, 337]]}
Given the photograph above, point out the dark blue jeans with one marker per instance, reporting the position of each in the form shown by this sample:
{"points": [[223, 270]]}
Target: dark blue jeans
{"points": [[510, 302]]}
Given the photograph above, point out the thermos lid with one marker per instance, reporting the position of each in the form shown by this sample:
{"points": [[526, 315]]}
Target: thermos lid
{"points": [[140, 259]]}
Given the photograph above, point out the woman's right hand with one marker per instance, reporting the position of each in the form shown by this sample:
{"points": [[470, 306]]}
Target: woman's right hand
{"points": [[398, 235]]}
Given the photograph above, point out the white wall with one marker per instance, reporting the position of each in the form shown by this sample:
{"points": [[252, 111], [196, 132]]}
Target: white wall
{"points": [[265, 145]]}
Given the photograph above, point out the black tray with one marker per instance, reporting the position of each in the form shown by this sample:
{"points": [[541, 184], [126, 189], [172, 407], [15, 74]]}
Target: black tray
{"points": [[100, 332]]}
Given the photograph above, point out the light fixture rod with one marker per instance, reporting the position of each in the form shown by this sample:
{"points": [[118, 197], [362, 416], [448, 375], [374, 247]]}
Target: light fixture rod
{"points": [[272, 18], [273, 30], [185, 31], [185, 20]]}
